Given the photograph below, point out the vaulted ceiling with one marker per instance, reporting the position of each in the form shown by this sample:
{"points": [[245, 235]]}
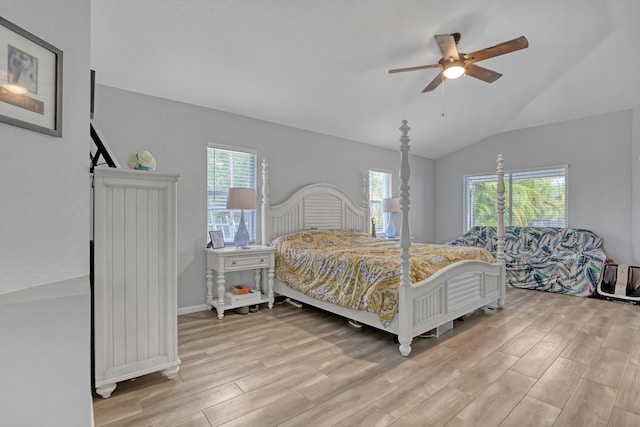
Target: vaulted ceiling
{"points": [[323, 65]]}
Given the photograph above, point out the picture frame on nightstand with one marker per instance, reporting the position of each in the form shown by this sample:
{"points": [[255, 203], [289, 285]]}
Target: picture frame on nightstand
{"points": [[217, 240]]}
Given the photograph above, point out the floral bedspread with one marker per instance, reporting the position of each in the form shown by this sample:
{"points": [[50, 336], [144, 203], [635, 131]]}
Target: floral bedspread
{"points": [[357, 271]]}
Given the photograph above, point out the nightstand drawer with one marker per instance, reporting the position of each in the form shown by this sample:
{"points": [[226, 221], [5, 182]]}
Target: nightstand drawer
{"points": [[244, 262]]}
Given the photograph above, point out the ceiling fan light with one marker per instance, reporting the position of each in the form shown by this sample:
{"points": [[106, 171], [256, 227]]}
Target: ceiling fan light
{"points": [[453, 70]]}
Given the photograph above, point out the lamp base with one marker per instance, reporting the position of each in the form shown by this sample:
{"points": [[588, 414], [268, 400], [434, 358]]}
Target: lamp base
{"points": [[241, 237], [390, 231]]}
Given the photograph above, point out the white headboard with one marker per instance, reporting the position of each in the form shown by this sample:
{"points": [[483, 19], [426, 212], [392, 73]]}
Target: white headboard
{"points": [[319, 206]]}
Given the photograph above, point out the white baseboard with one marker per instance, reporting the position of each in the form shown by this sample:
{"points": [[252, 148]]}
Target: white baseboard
{"points": [[193, 309]]}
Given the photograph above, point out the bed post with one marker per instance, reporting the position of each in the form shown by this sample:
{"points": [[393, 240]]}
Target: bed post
{"points": [[500, 211], [405, 307], [365, 202], [266, 213]]}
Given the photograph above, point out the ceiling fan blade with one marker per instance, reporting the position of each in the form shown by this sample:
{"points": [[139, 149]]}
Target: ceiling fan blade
{"points": [[434, 83], [499, 49], [420, 67], [482, 73], [447, 45]]}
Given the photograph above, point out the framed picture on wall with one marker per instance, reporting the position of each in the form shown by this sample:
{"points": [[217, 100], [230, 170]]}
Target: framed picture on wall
{"points": [[30, 81], [217, 240]]}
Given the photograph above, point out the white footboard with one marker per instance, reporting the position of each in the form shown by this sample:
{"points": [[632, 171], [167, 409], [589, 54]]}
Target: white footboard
{"points": [[451, 293]]}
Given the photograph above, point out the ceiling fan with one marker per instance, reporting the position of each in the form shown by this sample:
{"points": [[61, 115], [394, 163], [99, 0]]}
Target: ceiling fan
{"points": [[454, 64]]}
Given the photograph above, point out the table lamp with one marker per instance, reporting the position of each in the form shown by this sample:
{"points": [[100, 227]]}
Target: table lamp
{"points": [[390, 206], [241, 198]]}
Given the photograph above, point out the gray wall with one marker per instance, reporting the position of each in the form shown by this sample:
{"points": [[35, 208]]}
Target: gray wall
{"points": [[44, 239], [46, 357], [598, 151], [177, 134], [635, 187]]}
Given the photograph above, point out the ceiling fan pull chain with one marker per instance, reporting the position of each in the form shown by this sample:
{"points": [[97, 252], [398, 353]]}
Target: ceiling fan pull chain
{"points": [[443, 80]]}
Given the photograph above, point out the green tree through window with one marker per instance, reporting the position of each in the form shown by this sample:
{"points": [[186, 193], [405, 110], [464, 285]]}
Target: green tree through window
{"points": [[532, 198]]}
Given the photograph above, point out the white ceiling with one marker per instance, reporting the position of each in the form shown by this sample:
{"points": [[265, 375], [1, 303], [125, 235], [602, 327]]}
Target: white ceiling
{"points": [[322, 65]]}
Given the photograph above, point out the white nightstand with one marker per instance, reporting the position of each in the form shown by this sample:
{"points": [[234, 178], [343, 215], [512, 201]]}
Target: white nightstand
{"points": [[258, 258]]}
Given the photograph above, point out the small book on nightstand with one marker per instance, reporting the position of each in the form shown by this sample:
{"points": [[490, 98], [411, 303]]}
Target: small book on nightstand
{"points": [[239, 289], [252, 297]]}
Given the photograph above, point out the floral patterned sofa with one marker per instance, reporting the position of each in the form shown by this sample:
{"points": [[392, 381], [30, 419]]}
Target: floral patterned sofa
{"points": [[563, 260]]}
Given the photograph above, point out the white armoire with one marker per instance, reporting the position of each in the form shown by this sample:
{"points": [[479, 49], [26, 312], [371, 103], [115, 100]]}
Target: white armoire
{"points": [[134, 276]]}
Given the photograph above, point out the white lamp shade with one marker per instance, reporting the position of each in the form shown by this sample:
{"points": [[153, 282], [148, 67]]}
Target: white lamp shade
{"points": [[241, 198], [391, 204]]}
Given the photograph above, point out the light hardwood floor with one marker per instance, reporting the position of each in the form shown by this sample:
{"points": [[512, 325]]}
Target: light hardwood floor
{"points": [[543, 360]]}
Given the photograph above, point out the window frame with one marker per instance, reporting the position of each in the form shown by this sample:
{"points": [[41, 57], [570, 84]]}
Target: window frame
{"points": [[251, 216], [508, 194], [389, 193]]}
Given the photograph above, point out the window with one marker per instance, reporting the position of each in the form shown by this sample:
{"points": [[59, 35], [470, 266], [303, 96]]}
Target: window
{"points": [[379, 188], [225, 169], [535, 198]]}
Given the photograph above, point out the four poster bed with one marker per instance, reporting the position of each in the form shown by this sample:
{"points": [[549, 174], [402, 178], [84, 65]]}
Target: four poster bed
{"points": [[409, 304]]}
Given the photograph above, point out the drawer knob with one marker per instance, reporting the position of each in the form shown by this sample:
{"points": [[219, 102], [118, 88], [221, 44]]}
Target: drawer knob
{"points": [[261, 259], [233, 262]]}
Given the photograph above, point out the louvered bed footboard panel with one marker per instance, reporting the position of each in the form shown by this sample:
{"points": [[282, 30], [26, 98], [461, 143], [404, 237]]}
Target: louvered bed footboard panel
{"points": [[463, 289], [429, 308]]}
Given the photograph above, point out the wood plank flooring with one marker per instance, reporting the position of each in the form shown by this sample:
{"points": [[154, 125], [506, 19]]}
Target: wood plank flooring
{"points": [[543, 360]]}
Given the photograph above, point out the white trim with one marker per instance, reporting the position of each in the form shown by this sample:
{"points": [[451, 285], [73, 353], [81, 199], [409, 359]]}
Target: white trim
{"points": [[386, 217], [233, 148], [193, 309], [389, 171], [509, 192], [567, 202], [243, 150], [508, 171]]}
